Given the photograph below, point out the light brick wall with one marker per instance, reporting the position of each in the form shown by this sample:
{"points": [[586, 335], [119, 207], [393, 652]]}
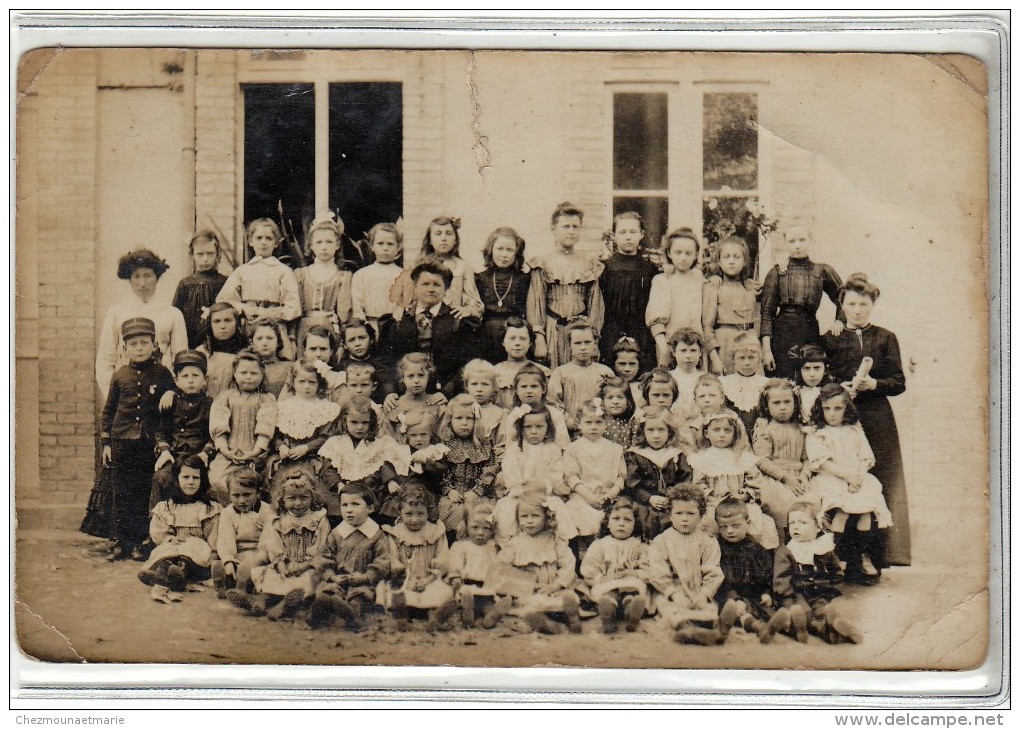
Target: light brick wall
{"points": [[66, 245], [217, 115]]}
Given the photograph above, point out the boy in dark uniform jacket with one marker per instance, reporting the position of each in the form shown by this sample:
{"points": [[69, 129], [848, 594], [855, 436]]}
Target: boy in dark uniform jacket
{"points": [[130, 422]]}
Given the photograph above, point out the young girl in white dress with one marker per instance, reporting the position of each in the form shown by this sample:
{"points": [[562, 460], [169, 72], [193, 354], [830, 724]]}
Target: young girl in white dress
{"points": [[601, 468], [538, 549], [324, 289], [616, 567], [284, 571], [725, 466], [840, 457], [676, 298], [181, 528], [418, 557], [534, 459], [264, 287]]}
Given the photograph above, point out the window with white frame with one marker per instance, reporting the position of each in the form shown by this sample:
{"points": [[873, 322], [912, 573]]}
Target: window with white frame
{"points": [[310, 147], [690, 155]]}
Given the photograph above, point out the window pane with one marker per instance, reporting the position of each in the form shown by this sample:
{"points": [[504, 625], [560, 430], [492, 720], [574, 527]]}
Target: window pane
{"points": [[279, 154], [640, 142], [731, 141], [654, 215], [366, 151]]}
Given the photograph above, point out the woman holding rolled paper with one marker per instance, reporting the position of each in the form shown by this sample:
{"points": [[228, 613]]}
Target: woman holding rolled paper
{"points": [[849, 354]]}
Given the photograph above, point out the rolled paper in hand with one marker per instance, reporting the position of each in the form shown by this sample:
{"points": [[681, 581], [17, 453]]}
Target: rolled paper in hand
{"points": [[864, 368]]}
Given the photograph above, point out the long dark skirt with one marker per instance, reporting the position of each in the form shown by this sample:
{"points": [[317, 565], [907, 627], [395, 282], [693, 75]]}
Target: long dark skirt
{"points": [[792, 328], [880, 427], [98, 521]]}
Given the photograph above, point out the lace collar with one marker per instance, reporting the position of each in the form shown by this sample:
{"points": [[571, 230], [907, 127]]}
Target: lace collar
{"points": [[805, 552], [299, 418]]}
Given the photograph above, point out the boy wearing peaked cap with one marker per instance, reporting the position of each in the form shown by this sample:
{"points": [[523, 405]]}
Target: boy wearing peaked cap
{"points": [[130, 423]]}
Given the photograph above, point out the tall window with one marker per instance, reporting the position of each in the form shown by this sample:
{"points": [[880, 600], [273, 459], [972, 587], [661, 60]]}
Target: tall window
{"points": [[641, 159], [365, 154], [279, 152], [689, 156], [730, 175], [310, 147]]}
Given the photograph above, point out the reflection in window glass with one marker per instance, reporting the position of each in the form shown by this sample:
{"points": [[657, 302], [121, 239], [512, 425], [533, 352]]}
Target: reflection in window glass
{"points": [[654, 216], [640, 142], [730, 141], [366, 149], [279, 153]]}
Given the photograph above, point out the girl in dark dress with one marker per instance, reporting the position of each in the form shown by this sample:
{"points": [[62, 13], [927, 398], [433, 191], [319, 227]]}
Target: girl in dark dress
{"points": [[626, 283], [871, 398], [503, 287], [196, 293], [790, 299]]}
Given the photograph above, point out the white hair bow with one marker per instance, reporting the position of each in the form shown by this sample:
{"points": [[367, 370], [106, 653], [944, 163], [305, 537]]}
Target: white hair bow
{"points": [[322, 367], [597, 402], [403, 423], [519, 412]]}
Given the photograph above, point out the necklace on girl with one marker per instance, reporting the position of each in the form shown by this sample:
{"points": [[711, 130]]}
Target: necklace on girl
{"points": [[495, 288]]}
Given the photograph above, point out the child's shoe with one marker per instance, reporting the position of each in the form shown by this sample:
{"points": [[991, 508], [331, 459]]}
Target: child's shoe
{"points": [[176, 577], [399, 609], [321, 613], [287, 606], [777, 623], [868, 567], [800, 621], [633, 611], [439, 617], [467, 609], [728, 617], [695, 635], [151, 577], [499, 608], [847, 630], [541, 623], [607, 614], [572, 607]]}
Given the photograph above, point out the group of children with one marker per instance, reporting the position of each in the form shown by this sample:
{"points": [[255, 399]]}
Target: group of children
{"points": [[337, 479]]}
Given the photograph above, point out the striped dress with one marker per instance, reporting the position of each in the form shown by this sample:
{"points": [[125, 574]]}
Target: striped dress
{"points": [[563, 286]]}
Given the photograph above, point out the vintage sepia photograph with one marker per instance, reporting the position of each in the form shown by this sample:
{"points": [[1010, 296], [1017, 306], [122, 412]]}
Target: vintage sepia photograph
{"points": [[609, 359]]}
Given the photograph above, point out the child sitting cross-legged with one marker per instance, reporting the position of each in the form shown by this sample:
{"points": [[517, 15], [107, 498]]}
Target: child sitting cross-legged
{"points": [[684, 569], [356, 557]]}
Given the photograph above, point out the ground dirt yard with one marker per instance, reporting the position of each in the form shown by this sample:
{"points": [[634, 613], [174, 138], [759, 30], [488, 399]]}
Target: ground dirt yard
{"points": [[74, 607]]}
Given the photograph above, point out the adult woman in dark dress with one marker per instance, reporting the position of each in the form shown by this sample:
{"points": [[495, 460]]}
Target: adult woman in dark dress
{"points": [[863, 339]]}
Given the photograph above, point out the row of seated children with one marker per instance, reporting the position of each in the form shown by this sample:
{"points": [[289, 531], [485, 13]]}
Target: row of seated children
{"points": [[278, 563]]}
